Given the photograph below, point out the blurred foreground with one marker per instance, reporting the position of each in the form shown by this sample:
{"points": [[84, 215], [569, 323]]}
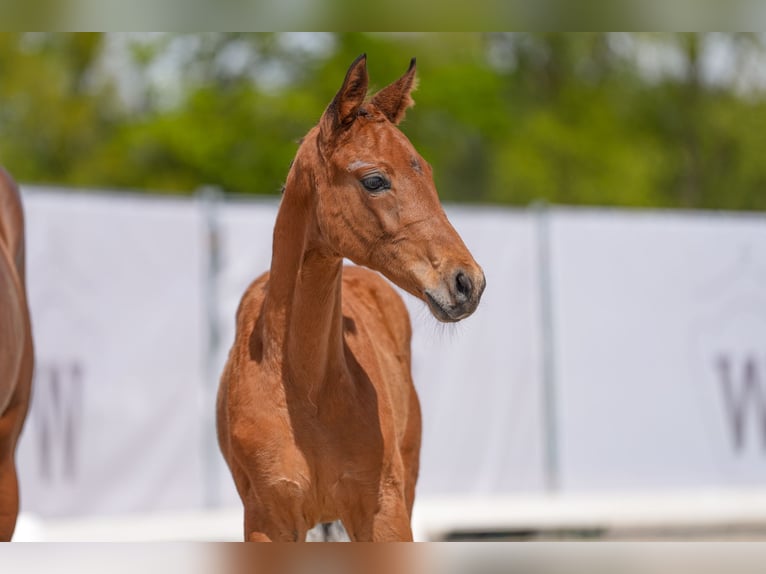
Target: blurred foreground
{"points": [[486, 558]]}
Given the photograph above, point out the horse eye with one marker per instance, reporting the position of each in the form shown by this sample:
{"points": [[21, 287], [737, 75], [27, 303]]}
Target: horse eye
{"points": [[375, 183]]}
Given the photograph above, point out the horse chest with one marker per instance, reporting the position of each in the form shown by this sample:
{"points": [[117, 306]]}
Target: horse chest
{"points": [[325, 447]]}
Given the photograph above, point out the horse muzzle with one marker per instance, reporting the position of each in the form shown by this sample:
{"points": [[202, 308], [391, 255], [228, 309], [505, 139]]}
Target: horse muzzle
{"points": [[457, 296]]}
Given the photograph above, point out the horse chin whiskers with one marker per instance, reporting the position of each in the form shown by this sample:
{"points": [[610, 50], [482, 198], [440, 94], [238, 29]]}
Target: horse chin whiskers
{"points": [[446, 312], [439, 331]]}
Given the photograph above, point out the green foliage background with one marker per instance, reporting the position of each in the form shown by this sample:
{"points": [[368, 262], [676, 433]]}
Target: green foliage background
{"points": [[503, 118]]}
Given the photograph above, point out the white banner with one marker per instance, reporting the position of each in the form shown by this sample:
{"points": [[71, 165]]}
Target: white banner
{"points": [[114, 289], [658, 364], [660, 349]]}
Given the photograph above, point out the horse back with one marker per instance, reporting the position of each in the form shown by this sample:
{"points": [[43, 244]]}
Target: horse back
{"points": [[12, 222]]}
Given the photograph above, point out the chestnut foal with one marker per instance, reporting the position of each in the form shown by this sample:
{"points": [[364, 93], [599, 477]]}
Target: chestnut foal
{"points": [[317, 415], [15, 348]]}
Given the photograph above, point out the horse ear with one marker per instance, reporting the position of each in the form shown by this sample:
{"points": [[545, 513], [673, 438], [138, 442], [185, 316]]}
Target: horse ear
{"points": [[394, 99], [344, 107]]}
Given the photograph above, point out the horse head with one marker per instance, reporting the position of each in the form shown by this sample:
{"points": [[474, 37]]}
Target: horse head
{"points": [[375, 198]]}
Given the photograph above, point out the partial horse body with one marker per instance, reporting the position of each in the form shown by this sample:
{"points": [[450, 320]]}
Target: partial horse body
{"points": [[16, 357], [317, 414]]}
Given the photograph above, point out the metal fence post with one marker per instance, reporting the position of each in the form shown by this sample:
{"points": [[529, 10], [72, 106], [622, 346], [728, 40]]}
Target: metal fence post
{"points": [[209, 201], [548, 352]]}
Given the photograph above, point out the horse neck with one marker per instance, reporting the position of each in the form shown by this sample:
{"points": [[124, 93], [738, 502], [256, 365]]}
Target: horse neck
{"points": [[302, 309]]}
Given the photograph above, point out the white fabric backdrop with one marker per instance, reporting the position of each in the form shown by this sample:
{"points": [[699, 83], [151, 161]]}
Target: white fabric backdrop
{"points": [[114, 288], [644, 306], [649, 311]]}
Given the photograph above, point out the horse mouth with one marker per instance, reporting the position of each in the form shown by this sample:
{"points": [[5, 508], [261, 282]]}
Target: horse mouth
{"points": [[445, 313]]}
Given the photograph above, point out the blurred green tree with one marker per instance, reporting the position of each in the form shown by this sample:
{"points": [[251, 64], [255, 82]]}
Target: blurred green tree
{"points": [[669, 120]]}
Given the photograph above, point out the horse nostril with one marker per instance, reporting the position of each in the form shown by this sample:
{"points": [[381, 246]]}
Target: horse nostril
{"points": [[463, 285]]}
